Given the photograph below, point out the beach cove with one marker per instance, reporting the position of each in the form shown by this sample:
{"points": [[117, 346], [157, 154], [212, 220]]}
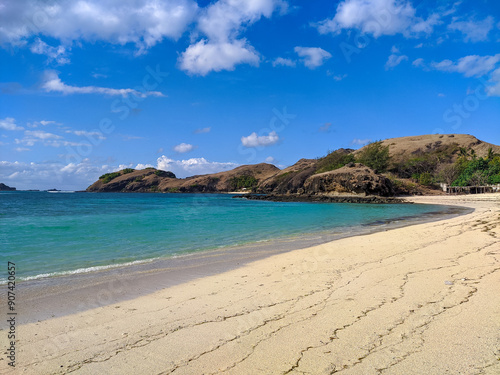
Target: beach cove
{"points": [[413, 300]]}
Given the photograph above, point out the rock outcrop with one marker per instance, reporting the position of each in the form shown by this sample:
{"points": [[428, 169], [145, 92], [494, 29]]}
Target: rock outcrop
{"points": [[350, 179]]}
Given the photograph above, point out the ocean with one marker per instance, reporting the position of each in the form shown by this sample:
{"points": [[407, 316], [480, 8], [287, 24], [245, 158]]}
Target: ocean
{"points": [[53, 234]]}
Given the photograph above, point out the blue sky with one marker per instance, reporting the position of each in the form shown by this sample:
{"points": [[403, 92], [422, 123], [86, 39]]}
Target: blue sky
{"points": [[89, 87]]}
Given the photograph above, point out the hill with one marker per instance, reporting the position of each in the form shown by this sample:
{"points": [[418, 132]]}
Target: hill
{"points": [[4, 187], [153, 180], [395, 166]]}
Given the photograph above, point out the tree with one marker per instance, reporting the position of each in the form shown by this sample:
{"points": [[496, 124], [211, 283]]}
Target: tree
{"points": [[490, 154], [449, 174], [375, 156]]}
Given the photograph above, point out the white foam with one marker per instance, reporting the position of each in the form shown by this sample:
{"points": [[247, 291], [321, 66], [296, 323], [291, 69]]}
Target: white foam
{"points": [[81, 270]]}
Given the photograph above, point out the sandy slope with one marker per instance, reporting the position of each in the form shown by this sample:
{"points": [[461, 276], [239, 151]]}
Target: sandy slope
{"points": [[417, 300]]}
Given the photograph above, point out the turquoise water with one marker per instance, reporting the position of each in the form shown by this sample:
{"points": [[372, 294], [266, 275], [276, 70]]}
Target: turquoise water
{"points": [[48, 234]]}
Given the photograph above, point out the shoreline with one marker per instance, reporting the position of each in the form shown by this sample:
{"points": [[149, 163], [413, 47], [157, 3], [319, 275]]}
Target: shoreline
{"points": [[417, 299], [60, 295]]}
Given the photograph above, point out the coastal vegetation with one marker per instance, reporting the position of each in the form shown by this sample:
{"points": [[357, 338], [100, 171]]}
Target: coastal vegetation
{"points": [[242, 182], [474, 171], [107, 177]]}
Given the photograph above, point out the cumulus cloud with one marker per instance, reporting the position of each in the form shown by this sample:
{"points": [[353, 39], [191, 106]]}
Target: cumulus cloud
{"points": [[270, 160], [142, 22], [203, 57], [254, 140], [360, 142], [66, 176], [280, 61], [52, 83], [312, 57], [378, 17], [193, 166], [474, 31], [222, 22], [469, 66], [57, 54], [225, 19], [9, 123], [183, 148]]}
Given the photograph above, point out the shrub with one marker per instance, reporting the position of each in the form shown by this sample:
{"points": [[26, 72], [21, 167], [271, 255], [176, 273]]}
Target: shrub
{"points": [[241, 182], [128, 170], [161, 173], [107, 177], [416, 166], [425, 179], [334, 160], [375, 156]]}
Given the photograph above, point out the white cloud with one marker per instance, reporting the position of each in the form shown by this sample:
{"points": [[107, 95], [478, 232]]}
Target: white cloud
{"points": [[280, 61], [203, 57], [225, 19], [203, 130], [469, 66], [254, 140], [418, 62], [36, 124], [53, 83], [270, 160], [9, 123], [494, 89], [193, 166], [45, 122], [143, 166], [394, 60], [312, 57], [21, 149], [474, 31], [360, 142], [441, 95], [183, 148], [377, 17], [421, 26], [40, 134], [222, 22], [87, 134], [57, 54], [66, 176], [142, 22]]}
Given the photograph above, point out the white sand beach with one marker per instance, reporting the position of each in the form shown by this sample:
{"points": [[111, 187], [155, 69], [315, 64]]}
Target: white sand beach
{"points": [[423, 299]]}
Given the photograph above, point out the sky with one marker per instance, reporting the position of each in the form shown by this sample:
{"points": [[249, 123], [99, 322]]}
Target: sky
{"points": [[93, 86]]}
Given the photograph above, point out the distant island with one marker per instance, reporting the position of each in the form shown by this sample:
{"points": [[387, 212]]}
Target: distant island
{"points": [[398, 166], [4, 187]]}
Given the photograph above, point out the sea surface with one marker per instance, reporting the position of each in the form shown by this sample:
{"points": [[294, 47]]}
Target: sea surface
{"points": [[52, 234]]}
